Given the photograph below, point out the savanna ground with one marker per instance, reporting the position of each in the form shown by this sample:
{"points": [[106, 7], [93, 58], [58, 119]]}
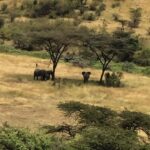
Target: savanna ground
{"points": [[28, 103]]}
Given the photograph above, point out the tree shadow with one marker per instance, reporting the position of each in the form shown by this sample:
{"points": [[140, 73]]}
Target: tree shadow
{"points": [[26, 78], [76, 82], [18, 78]]}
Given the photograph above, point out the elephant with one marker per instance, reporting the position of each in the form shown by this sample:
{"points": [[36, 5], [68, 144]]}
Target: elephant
{"points": [[42, 74], [48, 74], [86, 76]]}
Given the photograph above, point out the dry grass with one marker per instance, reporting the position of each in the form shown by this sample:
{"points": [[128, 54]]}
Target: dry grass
{"points": [[124, 12], [28, 103]]}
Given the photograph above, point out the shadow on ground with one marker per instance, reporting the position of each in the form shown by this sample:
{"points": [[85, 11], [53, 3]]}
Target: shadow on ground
{"points": [[18, 78], [24, 78], [72, 81]]}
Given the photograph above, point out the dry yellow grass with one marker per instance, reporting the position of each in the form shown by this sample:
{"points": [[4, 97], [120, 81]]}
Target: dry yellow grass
{"points": [[124, 12], [28, 103]]}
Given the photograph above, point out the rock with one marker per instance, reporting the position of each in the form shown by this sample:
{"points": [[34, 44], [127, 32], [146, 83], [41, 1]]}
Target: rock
{"points": [[142, 135]]}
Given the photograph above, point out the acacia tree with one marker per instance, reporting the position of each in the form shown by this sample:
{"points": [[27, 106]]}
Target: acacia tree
{"points": [[99, 44], [54, 37], [106, 47]]}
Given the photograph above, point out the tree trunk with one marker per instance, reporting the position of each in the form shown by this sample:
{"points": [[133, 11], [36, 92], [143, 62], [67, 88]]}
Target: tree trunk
{"points": [[102, 74], [53, 74]]}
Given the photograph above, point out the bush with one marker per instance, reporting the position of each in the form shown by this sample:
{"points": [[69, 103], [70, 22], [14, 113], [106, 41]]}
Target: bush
{"points": [[113, 80], [35, 2], [106, 139], [60, 8], [146, 71], [142, 57], [134, 120], [135, 17], [2, 22], [100, 9], [52, 15], [4, 7], [128, 67], [12, 50], [42, 9], [148, 31], [63, 8], [13, 15], [89, 115], [115, 17], [116, 4], [127, 42], [22, 139], [27, 4], [93, 6], [145, 147], [23, 44], [90, 16]]}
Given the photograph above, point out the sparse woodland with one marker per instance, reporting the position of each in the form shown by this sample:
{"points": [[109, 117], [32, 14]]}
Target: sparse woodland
{"points": [[74, 75]]}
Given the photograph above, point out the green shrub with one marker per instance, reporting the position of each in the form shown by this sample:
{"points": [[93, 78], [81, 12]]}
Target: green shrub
{"points": [[116, 4], [71, 107], [136, 14], [134, 120], [63, 9], [128, 67], [35, 2], [115, 17], [52, 15], [59, 8], [27, 4], [89, 115], [13, 15], [2, 22], [146, 71], [142, 57], [145, 147], [42, 9], [100, 9], [106, 139], [113, 79], [4, 7], [22, 139], [93, 6], [148, 31], [11, 50]]}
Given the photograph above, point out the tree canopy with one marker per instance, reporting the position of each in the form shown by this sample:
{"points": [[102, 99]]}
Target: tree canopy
{"points": [[55, 37], [107, 47]]}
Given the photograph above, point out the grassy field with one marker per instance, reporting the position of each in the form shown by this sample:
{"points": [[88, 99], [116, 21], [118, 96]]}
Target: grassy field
{"points": [[28, 103]]}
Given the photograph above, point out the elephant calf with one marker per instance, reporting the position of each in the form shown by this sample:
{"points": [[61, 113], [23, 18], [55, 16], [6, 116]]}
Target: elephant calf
{"points": [[86, 76]]}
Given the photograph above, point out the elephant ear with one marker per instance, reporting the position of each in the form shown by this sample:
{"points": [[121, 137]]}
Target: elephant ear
{"points": [[83, 73], [89, 73]]}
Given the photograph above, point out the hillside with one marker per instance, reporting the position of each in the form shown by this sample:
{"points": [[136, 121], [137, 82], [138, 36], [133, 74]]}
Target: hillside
{"points": [[28, 103], [123, 10]]}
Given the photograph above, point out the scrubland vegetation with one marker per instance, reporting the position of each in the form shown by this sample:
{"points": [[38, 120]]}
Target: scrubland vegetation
{"points": [[74, 75]]}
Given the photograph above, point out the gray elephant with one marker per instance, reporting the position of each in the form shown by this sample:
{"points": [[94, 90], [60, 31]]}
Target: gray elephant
{"points": [[86, 76], [42, 74], [48, 74]]}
